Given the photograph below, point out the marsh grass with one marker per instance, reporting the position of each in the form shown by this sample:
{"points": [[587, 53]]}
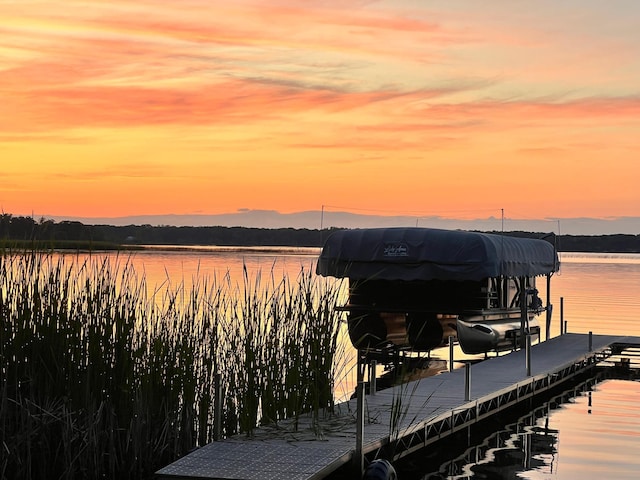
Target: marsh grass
{"points": [[104, 376]]}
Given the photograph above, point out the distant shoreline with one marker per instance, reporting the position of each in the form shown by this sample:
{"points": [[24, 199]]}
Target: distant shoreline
{"points": [[576, 245], [26, 233]]}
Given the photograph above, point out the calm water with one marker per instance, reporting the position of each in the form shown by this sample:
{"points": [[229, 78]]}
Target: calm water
{"points": [[590, 437], [592, 434]]}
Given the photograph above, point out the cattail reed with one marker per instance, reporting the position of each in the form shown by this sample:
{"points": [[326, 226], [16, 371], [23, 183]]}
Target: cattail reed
{"points": [[104, 376]]}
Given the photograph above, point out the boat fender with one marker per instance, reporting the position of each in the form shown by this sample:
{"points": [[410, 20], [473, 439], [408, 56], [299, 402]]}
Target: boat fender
{"points": [[380, 470]]}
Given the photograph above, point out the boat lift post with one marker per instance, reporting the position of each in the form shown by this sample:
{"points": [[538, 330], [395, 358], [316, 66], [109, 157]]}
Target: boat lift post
{"points": [[523, 310], [528, 355], [451, 353], [358, 457], [525, 333], [549, 307]]}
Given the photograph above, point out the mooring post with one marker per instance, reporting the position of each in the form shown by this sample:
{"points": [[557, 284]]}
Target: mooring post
{"points": [[372, 377], [467, 382], [217, 407], [590, 341], [562, 324], [451, 353], [359, 454], [528, 354]]}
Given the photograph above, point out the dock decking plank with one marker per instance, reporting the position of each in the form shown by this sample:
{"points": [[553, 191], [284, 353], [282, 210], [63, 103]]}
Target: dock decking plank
{"points": [[312, 452]]}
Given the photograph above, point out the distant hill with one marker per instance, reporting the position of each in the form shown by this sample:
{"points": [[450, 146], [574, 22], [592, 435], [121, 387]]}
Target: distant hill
{"points": [[317, 220]]}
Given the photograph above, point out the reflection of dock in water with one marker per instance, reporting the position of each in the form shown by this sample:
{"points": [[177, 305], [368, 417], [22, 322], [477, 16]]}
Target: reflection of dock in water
{"points": [[522, 445], [431, 409], [526, 443]]}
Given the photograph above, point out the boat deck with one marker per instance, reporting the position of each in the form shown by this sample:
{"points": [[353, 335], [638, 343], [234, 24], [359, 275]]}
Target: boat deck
{"points": [[429, 409]]}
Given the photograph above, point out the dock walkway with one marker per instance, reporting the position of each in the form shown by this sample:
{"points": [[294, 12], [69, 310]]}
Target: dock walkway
{"points": [[429, 409]]}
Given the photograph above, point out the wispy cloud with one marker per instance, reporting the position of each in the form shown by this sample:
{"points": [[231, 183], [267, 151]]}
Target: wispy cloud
{"points": [[146, 170]]}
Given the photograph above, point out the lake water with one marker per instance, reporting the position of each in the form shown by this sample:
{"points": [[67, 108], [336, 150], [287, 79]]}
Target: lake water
{"points": [[593, 436]]}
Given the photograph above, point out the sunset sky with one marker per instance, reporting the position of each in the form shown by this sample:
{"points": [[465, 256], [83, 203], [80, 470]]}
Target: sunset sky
{"points": [[453, 108]]}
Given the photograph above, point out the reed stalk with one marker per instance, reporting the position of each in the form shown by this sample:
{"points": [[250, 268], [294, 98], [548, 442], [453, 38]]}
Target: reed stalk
{"points": [[104, 376], [400, 421]]}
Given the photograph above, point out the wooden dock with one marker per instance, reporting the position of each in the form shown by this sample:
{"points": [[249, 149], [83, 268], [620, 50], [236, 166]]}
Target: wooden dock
{"points": [[429, 409]]}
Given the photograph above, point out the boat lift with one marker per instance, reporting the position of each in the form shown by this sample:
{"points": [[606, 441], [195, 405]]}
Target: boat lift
{"points": [[412, 289]]}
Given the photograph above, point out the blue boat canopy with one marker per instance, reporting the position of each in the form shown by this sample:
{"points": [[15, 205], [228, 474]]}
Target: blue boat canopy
{"points": [[432, 254]]}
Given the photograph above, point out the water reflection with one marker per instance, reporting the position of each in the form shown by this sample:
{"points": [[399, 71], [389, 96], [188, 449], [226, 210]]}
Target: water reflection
{"points": [[513, 453], [171, 267], [505, 454], [597, 425]]}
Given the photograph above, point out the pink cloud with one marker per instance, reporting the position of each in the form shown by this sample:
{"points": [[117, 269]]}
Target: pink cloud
{"points": [[58, 103], [122, 65], [230, 102]]}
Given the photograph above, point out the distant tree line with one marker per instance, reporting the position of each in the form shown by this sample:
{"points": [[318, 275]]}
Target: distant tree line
{"points": [[47, 231], [71, 234]]}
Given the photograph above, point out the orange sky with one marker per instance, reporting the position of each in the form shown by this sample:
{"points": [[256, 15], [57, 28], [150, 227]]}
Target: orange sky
{"points": [[459, 109]]}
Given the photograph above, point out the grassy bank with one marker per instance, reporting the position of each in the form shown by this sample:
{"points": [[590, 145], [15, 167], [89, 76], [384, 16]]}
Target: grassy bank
{"points": [[75, 245], [104, 377]]}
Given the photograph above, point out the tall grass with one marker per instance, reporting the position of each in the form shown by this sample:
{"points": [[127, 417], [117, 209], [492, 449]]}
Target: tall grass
{"points": [[104, 377]]}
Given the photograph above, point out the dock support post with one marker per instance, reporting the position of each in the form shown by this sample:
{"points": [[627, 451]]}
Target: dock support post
{"points": [[563, 328], [528, 355], [467, 382], [359, 453], [372, 377], [217, 407], [590, 341], [451, 353]]}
